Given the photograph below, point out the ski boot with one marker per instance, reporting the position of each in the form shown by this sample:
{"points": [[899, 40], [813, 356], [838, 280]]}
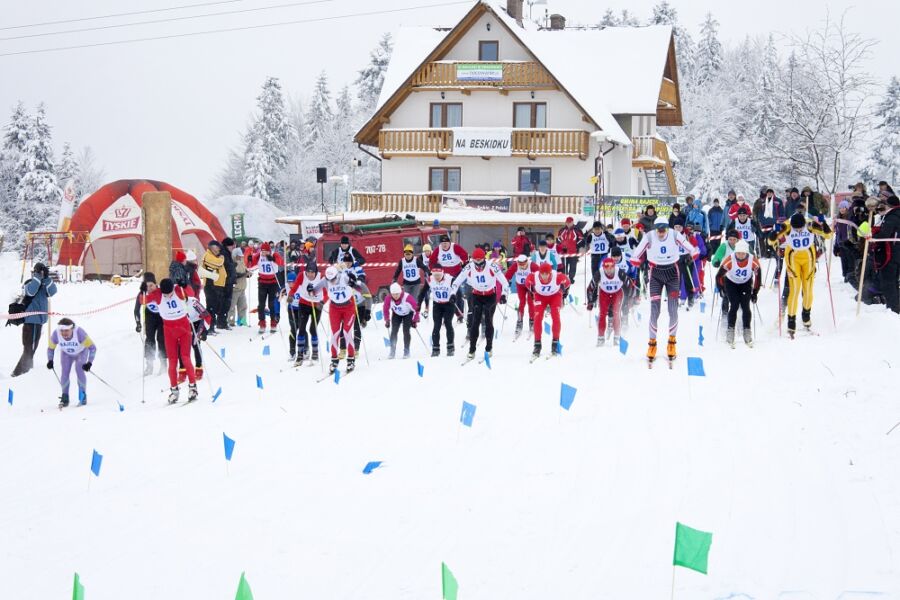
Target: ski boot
{"points": [[435, 351], [262, 327], [651, 350], [425, 313], [192, 392], [391, 355], [450, 350], [351, 364], [518, 327], [670, 348], [82, 398], [315, 352], [198, 373], [333, 366], [406, 353], [554, 348], [470, 355], [792, 325], [537, 350], [173, 395], [748, 336], [148, 366], [805, 315], [601, 339], [615, 340], [64, 401], [273, 326], [729, 336]]}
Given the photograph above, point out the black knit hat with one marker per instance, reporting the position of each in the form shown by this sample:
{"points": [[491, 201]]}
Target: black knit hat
{"points": [[166, 286], [797, 221], [345, 239], [228, 242], [149, 277]]}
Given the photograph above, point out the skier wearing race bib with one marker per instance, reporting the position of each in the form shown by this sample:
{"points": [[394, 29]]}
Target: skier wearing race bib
{"points": [[75, 348], [410, 272], [543, 255], [798, 236], [400, 310], [517, 274], [483, 278], [267, 265], [444, 308], [305, 312], [745, 227], [662, 250], [739, 276], [569, 241], [608, 289], [732, 237], [170, 301], [549, 289], [341, 312], [598, 243], [452, 257]]}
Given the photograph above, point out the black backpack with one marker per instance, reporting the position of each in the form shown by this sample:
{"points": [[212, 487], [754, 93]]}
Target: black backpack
{"points": [[21, 305]]}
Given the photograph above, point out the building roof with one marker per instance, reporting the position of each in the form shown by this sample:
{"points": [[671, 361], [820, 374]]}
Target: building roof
{"points": [[579, 60]]}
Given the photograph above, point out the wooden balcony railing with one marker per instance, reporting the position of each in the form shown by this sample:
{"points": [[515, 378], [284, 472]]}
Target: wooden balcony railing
{"points": [[432, 203], [525, 142], [525, 75], [667, 93], [651, 153], [668, 112]]}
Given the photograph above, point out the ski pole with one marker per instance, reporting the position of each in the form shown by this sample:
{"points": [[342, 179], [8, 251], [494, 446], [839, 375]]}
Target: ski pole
{"points": [[57, 377], [219, 356], [427, 346], [103, 381], [318, 345], [828, 279], [362, 339]]}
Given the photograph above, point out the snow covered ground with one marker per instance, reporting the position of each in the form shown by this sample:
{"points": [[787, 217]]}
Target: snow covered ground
{"points": [[781, 452]]}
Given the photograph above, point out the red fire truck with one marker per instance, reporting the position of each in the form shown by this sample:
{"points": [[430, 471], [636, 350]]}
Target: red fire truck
{"points": [[380, 243]]}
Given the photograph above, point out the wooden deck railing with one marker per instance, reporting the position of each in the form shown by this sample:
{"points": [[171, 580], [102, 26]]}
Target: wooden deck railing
{"points": [[525, 142], [431, 203], [515, 75]]}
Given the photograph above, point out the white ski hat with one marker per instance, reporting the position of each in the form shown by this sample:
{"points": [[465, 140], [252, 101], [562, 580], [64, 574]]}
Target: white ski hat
{"points": [[521, 258], [742, 246], [396, 289], [331, 273], [660, 222]]}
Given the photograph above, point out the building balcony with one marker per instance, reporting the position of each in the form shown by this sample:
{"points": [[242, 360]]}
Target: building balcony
{"points": [[652, 154], [668, 112], [433, 202], [529, 143], [466, 76]]}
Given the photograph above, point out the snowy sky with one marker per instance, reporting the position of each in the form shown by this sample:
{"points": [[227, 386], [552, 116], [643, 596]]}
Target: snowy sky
{"points": [[170, 109]]}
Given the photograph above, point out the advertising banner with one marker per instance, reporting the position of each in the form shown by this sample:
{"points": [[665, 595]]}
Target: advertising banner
{"points": [[473, 141]]}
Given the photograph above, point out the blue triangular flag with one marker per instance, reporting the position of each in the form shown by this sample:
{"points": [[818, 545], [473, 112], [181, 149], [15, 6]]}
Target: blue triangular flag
{"points": [[266, 350], [700, 339], [229, 446], [421, 369], [468, 414], [259, 382], [96, 462], [487, 359], [387, 343], [222, 352], [559, 349], [702, 307], [371, 466], [547, 328], [9, 397], [379, 315], [217, 394], [82, 398], [566, 396], [337, 375], [623, 346], [121, 406], [695, 367]]}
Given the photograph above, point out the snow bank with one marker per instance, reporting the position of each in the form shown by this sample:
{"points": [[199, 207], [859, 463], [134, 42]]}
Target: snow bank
{"points": [[259, 216], [780, 451]]}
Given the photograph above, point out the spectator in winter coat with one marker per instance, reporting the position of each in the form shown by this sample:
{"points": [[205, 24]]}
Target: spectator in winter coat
{"points": [[230, 279], [36, 297], [890, 229], [213, 271], [768, 210], [815, 202], [237, 310], [677, 218], [648, 217], [885, 191], [521, 244], [738, 203], [730, 200], [790, 205], [193, 276], [178, 271], [716, 218], [844, 246], [697, 218], [568, 241]]}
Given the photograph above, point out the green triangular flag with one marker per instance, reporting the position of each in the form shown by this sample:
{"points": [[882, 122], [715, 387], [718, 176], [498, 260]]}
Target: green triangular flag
{"points": [[243, 592], [691, 548], [77, 589], [448, 583]]}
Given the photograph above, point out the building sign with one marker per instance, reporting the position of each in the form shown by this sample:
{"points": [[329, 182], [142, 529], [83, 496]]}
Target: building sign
{"points": [[472, 141], [631, 206], [479, 72], [486, 203], [237, 226]]}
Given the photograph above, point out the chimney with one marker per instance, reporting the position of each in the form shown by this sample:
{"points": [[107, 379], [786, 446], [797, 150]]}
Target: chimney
{"points": [[557, 22], [515, 10]]}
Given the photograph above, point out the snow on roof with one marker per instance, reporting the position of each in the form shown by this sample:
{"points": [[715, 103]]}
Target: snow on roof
{"points": [[451, 216], [617, 70]]}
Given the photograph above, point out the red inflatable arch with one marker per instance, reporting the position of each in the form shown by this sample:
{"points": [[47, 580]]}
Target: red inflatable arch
{"points": [[112, 218]]}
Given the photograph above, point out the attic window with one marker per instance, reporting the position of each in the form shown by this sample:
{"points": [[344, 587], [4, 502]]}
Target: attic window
{"points": [[489, 51]]}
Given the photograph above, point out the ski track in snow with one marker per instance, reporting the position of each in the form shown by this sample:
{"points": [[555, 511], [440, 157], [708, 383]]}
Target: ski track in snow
{"points": [[530, 502]]}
